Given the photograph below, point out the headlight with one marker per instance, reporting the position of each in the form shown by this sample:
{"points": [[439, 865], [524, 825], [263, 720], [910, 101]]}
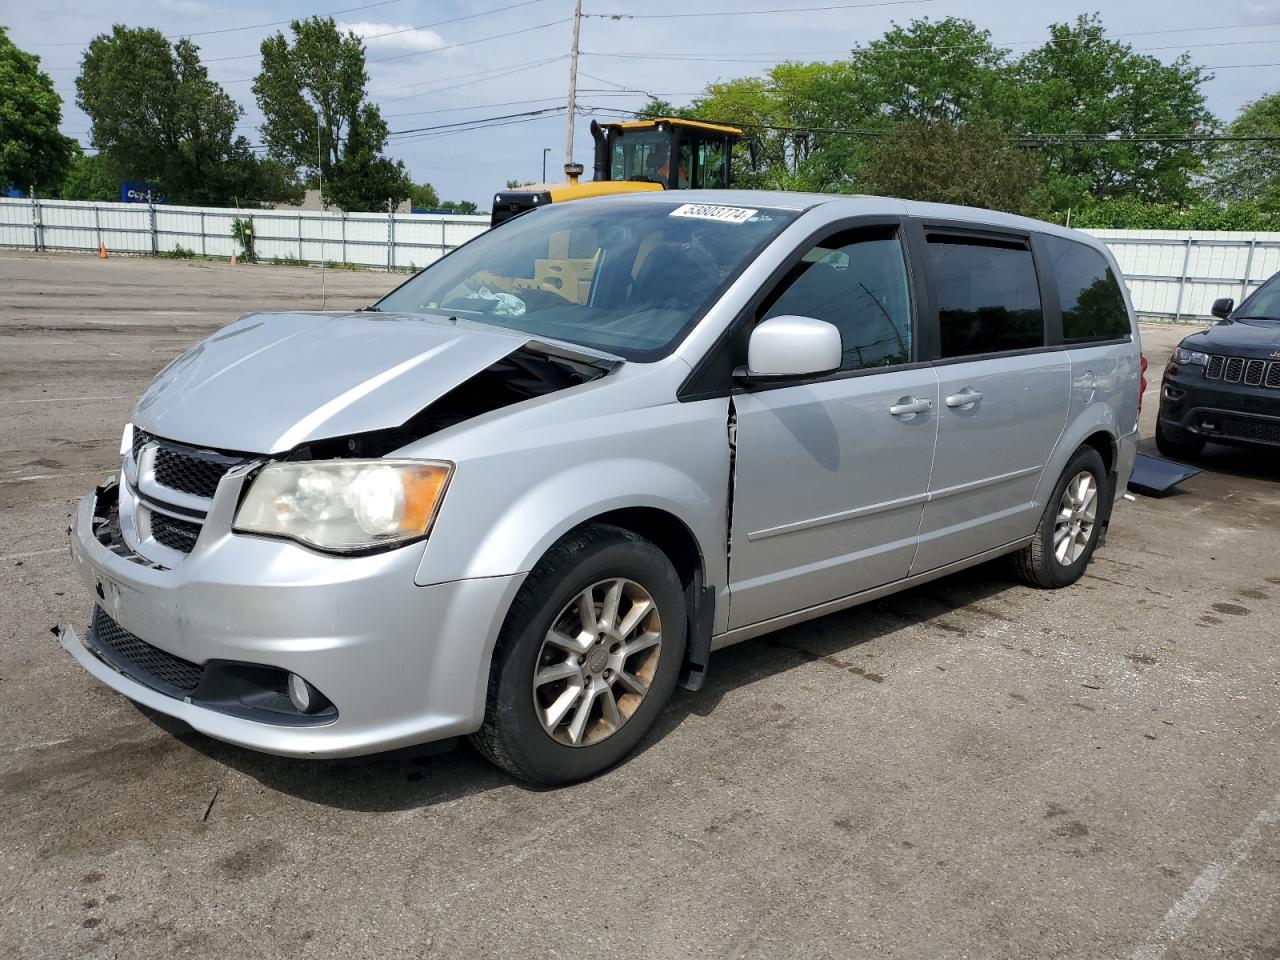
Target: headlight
{"points": [[345, 506], [126, 439], [1193, 357]]}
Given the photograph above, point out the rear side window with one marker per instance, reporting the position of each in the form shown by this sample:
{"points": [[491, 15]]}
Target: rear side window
{"points": [[1092, 302], [987, 294], [858, 282]]}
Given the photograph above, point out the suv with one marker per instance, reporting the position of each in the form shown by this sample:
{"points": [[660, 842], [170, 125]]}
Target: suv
{"points": [[1223, 383], [528, 492]]}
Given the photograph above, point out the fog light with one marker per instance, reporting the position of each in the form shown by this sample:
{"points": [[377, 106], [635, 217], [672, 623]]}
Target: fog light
{"points": [[304, 697]]}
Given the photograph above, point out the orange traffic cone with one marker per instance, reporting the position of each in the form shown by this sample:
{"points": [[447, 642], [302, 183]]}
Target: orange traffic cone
{"points": [[102, 250], [234, 261]]}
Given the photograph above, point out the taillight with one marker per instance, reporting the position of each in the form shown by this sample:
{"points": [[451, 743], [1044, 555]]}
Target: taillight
{"points": [[1142, 379]]}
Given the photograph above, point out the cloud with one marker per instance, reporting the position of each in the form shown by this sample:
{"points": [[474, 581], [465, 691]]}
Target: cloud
{"points": [[191, 7], [391, 36]]}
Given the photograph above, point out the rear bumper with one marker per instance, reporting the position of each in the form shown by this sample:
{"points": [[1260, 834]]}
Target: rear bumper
{"points": [[402, 664], [1127, 454]]}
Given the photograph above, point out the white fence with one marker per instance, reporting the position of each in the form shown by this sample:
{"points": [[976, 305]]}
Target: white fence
{"points": [[1177, 274], [1172, 275], [387, 241]]}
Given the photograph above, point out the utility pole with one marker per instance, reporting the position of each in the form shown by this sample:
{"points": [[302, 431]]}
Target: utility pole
{"points": [[320, 176], [545, 151], [573, 82]]}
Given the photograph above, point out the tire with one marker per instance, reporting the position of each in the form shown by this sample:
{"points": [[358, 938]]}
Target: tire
{"points": [[1039, 563], [587, 562], [1175, 448]]}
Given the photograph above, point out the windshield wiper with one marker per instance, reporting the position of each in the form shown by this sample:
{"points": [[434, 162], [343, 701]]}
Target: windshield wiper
{"points": [[372, 308], [1255, 317]]}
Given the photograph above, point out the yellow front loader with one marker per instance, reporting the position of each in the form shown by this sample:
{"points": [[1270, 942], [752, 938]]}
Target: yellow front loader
{"points": [[639, 155]]}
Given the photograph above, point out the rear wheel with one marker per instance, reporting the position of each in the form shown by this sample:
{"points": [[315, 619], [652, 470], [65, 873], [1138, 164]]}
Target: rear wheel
{"points": [[588, 657], [1181, 446], [1070, 526]]}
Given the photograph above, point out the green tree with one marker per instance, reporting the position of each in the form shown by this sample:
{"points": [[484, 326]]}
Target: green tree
{"points": [[973, 164], [1080, 83], [459, 206], [1249, 171], [423, 196], [312, 94], [157, 116], [89, 179], [946, 71], [32, 151]]}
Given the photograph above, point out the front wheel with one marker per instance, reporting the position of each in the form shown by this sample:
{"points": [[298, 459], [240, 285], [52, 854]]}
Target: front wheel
{"points": [[1070, 526], [588, 657]]}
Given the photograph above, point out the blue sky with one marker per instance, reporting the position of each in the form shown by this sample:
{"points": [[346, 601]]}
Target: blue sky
{"points": [[512, 61]]}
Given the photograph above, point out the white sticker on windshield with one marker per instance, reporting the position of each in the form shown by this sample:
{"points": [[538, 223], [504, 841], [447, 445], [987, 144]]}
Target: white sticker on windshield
{"points": [[708, 211]]}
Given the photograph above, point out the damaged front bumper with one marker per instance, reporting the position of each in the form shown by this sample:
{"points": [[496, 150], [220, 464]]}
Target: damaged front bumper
{"points": [[210, 640]]}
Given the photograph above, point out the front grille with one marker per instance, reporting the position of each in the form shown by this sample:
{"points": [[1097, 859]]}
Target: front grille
{"points": [[189, 473], [140, 439], [174, 533], [190, 470], [1242, 370], [1243, 428], [147, 664]]}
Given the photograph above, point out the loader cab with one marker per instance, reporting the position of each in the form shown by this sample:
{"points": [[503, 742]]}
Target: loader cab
{"points": [[677, 154], [667, 153]]}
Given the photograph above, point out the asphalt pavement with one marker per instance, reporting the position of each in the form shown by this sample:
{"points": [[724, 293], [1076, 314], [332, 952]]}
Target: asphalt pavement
{"points": [[971, 769]]}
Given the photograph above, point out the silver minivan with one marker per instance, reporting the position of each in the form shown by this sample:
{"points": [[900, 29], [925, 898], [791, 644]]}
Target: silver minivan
{"points": [[529, 492]]}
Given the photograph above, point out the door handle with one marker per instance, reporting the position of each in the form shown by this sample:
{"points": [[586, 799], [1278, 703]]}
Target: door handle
{"points": [[965, 398], [908, 406]]}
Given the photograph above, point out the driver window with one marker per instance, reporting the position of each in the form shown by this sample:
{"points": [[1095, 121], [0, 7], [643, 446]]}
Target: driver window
{"points": [[857, 281]]}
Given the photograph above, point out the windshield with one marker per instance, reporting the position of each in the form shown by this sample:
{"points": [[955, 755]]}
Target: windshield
{"points": [[625, 278], [1265, 302]]}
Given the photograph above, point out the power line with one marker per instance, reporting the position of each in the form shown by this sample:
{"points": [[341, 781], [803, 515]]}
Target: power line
{"points": [[468, 43], [517, 103], [763, 57], [252, 26], [750, 13], [392, 33], [460, 123], [452, 46], [427, 133], [468, 83], [1031, 139]]}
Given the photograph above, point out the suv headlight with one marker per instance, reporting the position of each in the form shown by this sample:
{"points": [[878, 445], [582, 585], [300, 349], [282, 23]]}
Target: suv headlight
{"points": [[1191, 357], [345, 506]]}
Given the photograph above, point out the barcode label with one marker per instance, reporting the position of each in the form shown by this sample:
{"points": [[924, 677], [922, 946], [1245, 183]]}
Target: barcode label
{"points": [[708, 211]]}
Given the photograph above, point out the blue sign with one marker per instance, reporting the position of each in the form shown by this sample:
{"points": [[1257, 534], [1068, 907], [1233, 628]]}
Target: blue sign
{"points": [[13, 193], [131, 192]]}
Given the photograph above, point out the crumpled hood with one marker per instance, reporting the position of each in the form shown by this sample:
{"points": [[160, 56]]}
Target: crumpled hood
{"points": [[1239, 338], [269, 382]]}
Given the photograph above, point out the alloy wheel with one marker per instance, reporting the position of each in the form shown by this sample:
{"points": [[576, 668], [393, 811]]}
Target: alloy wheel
{"points": [[1077, 514], [597, 662]]}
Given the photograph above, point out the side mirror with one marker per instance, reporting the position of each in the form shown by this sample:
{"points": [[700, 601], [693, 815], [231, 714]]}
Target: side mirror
{"points": [[790, 346], [1222, 307]]}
